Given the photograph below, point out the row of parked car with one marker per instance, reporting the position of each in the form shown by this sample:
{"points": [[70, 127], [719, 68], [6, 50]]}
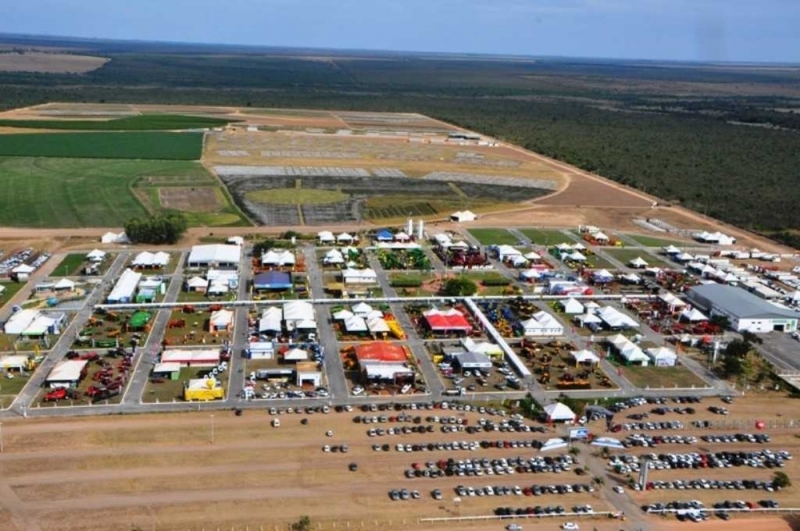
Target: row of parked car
{"points": [[400, 430], [649, 426], [502, 466], [759, 459], [712, 484], [637, 401], [642, 440], [761, 438], [533, 490]]}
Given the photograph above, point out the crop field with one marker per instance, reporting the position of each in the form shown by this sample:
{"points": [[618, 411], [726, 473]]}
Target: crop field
{"points": [[651, 241], [125, 145], [146, 122], [546, 237], [54, 192], [362, 197]]}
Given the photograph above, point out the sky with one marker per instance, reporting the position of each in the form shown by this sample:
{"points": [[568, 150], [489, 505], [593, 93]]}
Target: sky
{"points": [[694, 30]]}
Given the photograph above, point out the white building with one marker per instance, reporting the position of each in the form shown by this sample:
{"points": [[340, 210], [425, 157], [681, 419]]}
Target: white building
{"points": [[278, 257], [359, 276], [745, 311], [215, 255], [125, 288], [662, 356], [542, 324], [19, 321]]}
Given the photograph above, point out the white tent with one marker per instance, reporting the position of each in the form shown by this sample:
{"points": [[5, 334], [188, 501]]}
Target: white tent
{"points": [[96, 256], [355, 324], [334, 256], [671, 249], [553, 444], [542, 324], [585, 356], [614, 318], [197, 284], [693, 315], [672, 302], [533, 255], [270, 320], [559, 412], [278, 257], [326, 236], [571, 306], [359, 276], [505, 252], [64, 284], [608, 442], [662, 356], [221, 319], [298, 311], [600, 237], [344, 237], [362, 309], [587, 318], [628, 350], [306, 324], [602, 275], [378, 325], [638, 263], [631, 278], [342, 314], [295, 354], [576, 256], [402, 237]]}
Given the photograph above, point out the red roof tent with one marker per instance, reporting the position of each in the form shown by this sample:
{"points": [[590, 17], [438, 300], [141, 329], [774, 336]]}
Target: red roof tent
{"points": [[379, 351], [442, 321]]}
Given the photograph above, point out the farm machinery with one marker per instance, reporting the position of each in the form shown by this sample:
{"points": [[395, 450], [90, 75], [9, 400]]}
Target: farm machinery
{"points": [[466, 258]]}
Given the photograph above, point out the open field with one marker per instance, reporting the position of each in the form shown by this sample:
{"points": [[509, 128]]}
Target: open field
{"points": [[657, 377], [53, 192], [651, 241], [69, 266], [124, 145], [494, 236], [50, 63], [626, 255], [11, 289], [147, 122], [546, 237]]}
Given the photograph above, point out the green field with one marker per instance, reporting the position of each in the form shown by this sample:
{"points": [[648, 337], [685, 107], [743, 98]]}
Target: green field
{"points": [[626, 255], [546, 236], [658, 377], [11, 289], [296, 196], [144, 122], [69, 266], [494, 236], [53, 192], [151, 146], [649, 241]]}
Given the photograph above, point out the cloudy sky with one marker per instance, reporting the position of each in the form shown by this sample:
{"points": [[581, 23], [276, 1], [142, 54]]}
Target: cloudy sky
{"points": [[727, 30]]}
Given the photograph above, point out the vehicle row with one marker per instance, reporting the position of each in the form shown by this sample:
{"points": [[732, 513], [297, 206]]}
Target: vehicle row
{"points": [[532, 490], [650, 426], [712, 484]]}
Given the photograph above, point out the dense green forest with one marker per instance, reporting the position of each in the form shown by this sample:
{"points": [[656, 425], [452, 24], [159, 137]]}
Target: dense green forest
{"points": [[723, 140]]}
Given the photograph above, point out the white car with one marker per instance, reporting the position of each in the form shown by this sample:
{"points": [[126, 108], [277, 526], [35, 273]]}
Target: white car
{"points": [[618, 489], [570, 526], [513, 527], [357, 390]]}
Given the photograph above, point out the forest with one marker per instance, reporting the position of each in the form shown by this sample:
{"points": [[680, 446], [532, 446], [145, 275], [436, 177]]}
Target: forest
{"points": [[723, 140]]}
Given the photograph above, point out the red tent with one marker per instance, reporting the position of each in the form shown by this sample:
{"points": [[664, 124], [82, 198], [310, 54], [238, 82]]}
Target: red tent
{"points": [[447, 321], [378, 351]]}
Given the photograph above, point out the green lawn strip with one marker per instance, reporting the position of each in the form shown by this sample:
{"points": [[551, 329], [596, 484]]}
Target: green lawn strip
{"points": [[657, 377], [144, 122], [69, 266], [11, 289], [124, 145], [649, 241], [547, 237], [494, 236]]}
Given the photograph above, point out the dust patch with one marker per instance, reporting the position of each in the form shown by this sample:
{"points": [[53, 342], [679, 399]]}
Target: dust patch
{"points": [[189, 199]]}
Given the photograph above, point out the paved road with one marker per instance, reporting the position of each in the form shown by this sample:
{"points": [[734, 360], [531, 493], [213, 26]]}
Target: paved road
{"points": [[61, 347], [241, 335], [146, 354], [334, 370]]}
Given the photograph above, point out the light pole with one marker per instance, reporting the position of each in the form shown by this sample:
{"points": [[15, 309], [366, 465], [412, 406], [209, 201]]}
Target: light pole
{"points": [[212, 429]]}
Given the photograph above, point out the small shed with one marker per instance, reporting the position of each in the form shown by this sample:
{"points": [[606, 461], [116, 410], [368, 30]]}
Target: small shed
{"points": [[171, 371]]}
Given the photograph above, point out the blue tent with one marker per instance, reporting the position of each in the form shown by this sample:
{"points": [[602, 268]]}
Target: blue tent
{"points": [[273, 280], [384, 235]]}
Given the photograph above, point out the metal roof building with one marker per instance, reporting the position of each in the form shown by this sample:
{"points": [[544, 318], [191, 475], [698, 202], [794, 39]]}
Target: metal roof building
{"points": [[746, 311], [215, 255]]}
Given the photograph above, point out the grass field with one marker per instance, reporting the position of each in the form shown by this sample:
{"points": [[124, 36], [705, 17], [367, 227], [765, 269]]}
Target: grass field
{"points": [[649, 241], [136, 145], [656, 377], [12, 288], [626, 255], [494, 236], [546, 236], [69, 266], [53, 192], [145, 122]]}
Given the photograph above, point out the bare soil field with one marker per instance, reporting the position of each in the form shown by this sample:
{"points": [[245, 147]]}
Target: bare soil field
{"points": [[584, 191], [190, 199], [50, 63]]}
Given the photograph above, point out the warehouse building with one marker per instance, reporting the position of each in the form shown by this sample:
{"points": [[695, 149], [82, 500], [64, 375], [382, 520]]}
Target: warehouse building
{"points": [[215, 255], [746, 311]]}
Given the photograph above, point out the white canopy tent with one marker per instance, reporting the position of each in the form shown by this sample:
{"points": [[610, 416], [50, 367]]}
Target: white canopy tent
{"points": [[558, 412], [638, 263], [662, 356], [614, 318], [355, 324], [585, 356], [555, 443], [693, 315], [608, 442]]}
